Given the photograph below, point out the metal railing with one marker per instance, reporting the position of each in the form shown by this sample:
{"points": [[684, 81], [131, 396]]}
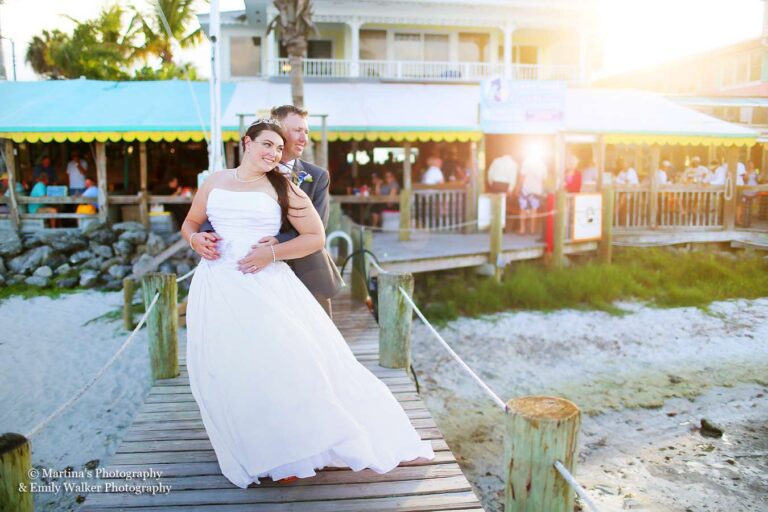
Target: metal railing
{"points": [[411, 70]]}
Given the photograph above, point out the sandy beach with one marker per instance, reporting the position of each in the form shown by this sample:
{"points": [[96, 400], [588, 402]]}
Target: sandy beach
{"points": [[48, 352], [643, 380]]}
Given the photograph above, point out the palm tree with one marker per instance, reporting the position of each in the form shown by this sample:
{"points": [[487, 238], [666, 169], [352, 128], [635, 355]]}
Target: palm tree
{"points": [[41, 50], [294, 26], [175, 18]]}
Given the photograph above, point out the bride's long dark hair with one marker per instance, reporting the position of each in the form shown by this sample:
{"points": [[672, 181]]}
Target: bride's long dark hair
{"points": [[276, 179]]}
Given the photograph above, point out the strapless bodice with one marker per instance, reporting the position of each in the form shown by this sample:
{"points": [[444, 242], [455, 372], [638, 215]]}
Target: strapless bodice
{"points": [[241, 219]]}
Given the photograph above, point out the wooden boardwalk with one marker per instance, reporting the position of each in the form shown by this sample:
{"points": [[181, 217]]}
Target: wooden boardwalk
{"points": [[168, 435]]}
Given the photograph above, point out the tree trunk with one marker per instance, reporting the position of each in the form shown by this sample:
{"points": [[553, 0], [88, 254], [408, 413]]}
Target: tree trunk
{"points": [[296, 61]]}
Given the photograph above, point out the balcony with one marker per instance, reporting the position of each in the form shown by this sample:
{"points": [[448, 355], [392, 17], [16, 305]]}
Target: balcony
{"points": [[420, 71]]}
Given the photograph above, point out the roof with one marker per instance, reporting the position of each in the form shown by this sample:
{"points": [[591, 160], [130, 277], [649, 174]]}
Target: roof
{"points": [[168, 110], [91, 109]]}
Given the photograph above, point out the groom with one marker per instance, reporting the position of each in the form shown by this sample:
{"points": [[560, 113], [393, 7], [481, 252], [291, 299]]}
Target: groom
{"points": [[316, 271]]}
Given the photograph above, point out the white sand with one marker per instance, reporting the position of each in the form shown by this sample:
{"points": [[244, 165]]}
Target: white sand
{"points": [[47, 354], [646, 379]]}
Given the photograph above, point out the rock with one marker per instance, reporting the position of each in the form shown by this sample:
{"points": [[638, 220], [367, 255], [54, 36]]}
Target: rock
{"points": [[40, 282], [92, 228], [80, 257], [2, 280], [134, 236], [30, 260], [94, 263], [128, 226], [142, 264], [3, 268], [711, 429], [111, 262], [45, 272], [183, 268], [104, 251], [63, 269], [123, 248], [89, 278], [119, 271], [155, 244], [67, 282], [10, 243], [102, 236], [166, 266], [674, 379], [91, 464], [61, 241], [113, 284]]}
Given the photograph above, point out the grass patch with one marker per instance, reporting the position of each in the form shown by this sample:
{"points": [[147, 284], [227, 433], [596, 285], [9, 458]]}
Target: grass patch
{"points": [[657, 276], [27, 291]]}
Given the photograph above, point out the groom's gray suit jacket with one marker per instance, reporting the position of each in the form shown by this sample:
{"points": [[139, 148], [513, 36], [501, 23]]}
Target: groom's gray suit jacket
{"points": [[317, 271]]}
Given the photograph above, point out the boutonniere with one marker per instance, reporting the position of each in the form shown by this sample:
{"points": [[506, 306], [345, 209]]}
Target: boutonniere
{"points": [[301, 177]]}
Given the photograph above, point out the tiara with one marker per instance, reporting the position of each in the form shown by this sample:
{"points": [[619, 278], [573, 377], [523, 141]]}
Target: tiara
{"points": [[267, 120]]}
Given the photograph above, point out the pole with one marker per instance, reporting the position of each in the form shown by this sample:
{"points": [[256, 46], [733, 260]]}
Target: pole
{"points": [[10, 161], [215, 156], [405, 195], [162, 324], [395, 318], [101, 178]]}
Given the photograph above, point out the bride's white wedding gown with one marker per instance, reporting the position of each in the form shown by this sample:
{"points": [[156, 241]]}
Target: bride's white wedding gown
{"points": [[279, 390]]}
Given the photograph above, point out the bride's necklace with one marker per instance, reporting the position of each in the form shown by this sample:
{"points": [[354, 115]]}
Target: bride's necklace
{"points": [[247, 181]]}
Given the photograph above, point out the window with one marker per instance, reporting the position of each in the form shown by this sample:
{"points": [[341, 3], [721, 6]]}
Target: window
{"points": [[437, 47], [407, 46], [373, 44], [525, 54], [316, 49], [245, 56], [473, 47], [755, 66]]}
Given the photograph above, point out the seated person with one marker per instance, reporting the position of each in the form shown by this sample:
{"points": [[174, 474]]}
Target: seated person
{"points": [[390, 187], [91, 190], [41, 190]]}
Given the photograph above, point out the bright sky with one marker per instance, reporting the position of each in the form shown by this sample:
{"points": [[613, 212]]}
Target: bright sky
{"points": [[635, 32]]}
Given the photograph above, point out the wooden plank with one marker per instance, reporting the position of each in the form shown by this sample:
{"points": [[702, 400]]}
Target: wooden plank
{"points": [[101, 180], [439, 501]]}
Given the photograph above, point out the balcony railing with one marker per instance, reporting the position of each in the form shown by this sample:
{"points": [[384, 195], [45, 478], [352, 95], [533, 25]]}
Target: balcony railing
{"points": [[423, 71]]}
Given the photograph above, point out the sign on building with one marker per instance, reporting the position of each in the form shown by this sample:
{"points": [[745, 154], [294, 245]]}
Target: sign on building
{"points": [[522, 106], [587, 217]]}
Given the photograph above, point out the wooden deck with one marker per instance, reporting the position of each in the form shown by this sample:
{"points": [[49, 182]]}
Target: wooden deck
{"points": [[168, 435]]}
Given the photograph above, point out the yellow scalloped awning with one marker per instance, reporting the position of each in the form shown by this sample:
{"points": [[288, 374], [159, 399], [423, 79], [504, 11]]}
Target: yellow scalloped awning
{"points": [[154, 136], [673, 140], [386, 136]]}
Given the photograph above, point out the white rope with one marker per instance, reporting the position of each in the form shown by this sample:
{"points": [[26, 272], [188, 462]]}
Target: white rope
{"points": [[199, 113], [533, 215], [455, 356], [185, 276], [99, 374], [374, 263], [576, 487]]}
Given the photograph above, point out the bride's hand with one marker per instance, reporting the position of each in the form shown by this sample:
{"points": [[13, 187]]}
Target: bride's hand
{"points": [[258, 258], [204, 244], [267, 240]]}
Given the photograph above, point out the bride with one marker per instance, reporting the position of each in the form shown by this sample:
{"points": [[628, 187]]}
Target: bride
{"points": [[279, 391]]}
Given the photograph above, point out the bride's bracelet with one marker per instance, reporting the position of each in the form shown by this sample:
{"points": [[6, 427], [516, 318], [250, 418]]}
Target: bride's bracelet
{"points": [[190, 240], [274, 258]]}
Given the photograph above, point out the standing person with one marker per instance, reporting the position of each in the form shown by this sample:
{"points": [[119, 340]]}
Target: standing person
{"points": [[696, 174], [662, 174], [502, 174], [434, 174], [317, 271], [45, 167], [77, 168], [534, 172], [279, 391], [572, 175], [626, 175]]}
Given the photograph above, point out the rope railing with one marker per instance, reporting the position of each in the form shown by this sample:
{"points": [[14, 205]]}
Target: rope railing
{"points": [[575, 485], [106, 366], [453, 354], [414, 230]]}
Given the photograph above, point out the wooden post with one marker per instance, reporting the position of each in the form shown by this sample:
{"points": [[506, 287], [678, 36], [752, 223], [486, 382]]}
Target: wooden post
{"points": [[497, 235], [334, 216], [470, 205], [162, 324], [324, 140], [14, 206], [362, 239], [101, 178], [15, 466], [599, 153], [229, 150], [730, 196], [143, 188], [355, 146], [540, 431], [558, 245], [129, 286], [654, 192], [395, 318], [558, 241], [606, 239], [405, 195]]}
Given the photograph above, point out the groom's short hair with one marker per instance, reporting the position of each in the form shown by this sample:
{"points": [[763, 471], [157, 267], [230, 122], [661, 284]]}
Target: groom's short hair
{"points": [[283, 111]]}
